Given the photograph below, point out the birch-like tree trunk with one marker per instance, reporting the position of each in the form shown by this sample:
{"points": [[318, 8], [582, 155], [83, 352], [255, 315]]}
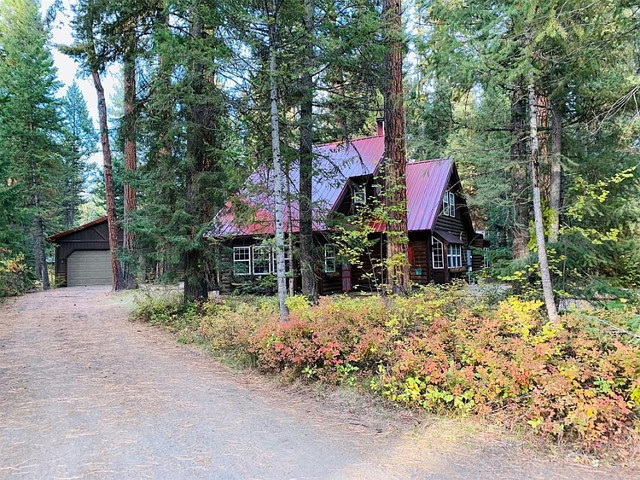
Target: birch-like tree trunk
{"points": [[555, 196], [395, 151], [543, 263], [277, 168]]}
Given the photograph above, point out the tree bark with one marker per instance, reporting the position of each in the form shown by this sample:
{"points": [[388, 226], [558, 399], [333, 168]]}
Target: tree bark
{"points": [[112, 222], [543, 263], [542, 115], [195, 279], [130, 161], [305, 202], [555, 195], [40, 255], [395, 152], [519, 183], [277, 169]]}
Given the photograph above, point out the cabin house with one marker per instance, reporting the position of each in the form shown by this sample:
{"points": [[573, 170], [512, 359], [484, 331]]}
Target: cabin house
{"points": [[443, 244]]}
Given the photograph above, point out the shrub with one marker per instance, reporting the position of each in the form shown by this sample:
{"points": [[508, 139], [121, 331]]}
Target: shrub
{"points": [[14, 276], [444, 350]]}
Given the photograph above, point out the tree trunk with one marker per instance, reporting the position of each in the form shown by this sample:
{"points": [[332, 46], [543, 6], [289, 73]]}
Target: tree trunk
{"points": [[519, 183], [542, 115], [130, 162], [39, 252], [277, 170], [195, 279], [395, 152], [307, 254], [543, 263], [292, 278], [555, 195], [116, 270]]}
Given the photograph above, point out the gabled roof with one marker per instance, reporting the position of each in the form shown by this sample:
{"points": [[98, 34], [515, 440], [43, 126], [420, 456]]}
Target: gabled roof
{"points": [[60, 235], [334, 164]]}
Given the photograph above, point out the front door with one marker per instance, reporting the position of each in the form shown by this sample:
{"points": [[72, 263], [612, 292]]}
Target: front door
{"points": [[346, 277]]}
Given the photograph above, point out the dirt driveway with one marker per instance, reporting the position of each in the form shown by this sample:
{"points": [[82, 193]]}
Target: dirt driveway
{"points": [[84, 393]]}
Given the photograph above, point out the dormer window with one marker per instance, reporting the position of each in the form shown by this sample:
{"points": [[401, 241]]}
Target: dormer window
{"points": [[449, 204], [359, 194]]}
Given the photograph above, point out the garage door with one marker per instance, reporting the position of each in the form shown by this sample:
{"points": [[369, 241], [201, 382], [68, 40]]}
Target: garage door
{"points": [[89, 267]]}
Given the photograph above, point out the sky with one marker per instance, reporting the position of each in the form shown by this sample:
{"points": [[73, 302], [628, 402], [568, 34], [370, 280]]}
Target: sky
{"points": [[68, 70]]}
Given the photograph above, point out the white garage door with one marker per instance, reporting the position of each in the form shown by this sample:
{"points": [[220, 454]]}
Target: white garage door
{"points": [[89, 267]]}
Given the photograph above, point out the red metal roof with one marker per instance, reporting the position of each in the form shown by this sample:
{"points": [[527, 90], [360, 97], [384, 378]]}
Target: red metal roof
{"points": [[251, 211]]}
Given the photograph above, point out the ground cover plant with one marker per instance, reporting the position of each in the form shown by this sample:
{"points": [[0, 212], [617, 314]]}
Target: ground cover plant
{"points": [[442, 350]]}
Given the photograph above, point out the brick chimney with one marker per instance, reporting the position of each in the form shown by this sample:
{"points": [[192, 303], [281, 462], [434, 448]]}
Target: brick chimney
{"points": [[380, 126]]}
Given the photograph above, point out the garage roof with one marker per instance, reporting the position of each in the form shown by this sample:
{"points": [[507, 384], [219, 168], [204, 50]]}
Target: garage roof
{"points": [[60, 235]]}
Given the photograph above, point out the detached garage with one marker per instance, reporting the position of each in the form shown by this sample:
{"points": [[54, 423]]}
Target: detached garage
{"points": [[82, 255]]}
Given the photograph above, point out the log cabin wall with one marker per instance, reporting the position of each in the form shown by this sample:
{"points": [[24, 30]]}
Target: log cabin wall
{"points": [[419, 257]]}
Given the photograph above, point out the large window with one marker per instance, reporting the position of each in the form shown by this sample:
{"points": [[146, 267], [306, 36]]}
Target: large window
{"points": [[241, 260], [449, 204], [437, 253], [454, 255], [329, 258], [261, 260]]}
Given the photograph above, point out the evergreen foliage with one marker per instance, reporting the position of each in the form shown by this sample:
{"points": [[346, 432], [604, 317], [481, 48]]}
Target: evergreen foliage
{"points": [[31, 135]]}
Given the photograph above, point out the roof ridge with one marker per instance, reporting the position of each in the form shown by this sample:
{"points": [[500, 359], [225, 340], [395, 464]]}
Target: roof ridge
{"points": [[439, 159], [346, 141]]}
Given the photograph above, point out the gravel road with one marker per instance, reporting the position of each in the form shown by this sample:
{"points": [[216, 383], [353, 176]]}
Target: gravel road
{"points": [[85, 393]]}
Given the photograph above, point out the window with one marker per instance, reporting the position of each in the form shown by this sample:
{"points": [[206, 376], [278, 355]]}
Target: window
{"points": [[287, 261], [329, 258], [359, 194], [241, 260], [437, 253], [454, 255], [449, 204], [261, 260]]}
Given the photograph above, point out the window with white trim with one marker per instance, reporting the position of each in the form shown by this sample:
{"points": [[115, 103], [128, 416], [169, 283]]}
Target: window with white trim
{"points": [[437, 253], [452, 204], [287, 261], [241, 260], [329, 258], [359, 194], [454, 255], [445, 203], [261, 260], [449, 204]]}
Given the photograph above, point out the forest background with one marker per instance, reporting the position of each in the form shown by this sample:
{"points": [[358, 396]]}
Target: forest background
{"points": [[192, 117]]}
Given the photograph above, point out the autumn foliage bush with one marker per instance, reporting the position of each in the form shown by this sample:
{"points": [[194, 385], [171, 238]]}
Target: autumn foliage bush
{"points": [[446, 351], [14, 277]]}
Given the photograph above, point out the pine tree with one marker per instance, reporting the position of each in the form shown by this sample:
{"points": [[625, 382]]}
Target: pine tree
{"points": [[30, 153], [81, 140], [395, 151], [94, 56]]}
